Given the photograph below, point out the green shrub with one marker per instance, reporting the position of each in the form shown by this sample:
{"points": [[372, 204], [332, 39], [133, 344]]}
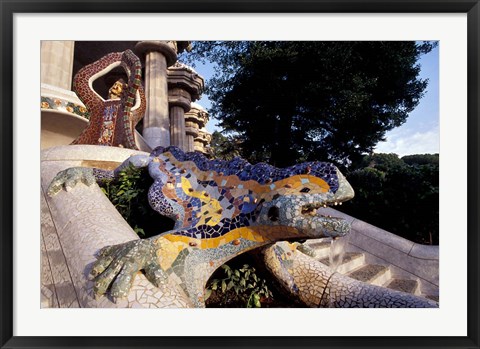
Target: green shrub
{"points": [[239, 286], [400, 195], [128, 193]]}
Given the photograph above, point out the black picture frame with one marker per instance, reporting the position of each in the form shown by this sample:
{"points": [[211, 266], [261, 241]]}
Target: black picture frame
{"points": [[10, 7]]}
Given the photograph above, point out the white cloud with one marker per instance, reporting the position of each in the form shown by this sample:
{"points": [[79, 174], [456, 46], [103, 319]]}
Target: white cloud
{"points": [[405, 142]]}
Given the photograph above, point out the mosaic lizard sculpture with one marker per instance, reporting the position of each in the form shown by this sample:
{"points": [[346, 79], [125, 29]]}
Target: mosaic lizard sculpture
{"points": [[221, 209], [112, 121]]}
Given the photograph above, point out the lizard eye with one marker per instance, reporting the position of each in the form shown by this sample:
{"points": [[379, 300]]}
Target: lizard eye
{"points": [[305, 190], [273, 213]]}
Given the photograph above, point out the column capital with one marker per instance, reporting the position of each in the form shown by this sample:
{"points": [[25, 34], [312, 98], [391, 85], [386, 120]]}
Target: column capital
{"points": [[201, 142], [178, 97], [197, 114], [204, 136], [166, 48], [182, 76]]}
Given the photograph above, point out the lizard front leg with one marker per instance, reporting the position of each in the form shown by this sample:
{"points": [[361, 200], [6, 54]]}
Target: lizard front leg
{"points": [[70, 177], [117, 266]]}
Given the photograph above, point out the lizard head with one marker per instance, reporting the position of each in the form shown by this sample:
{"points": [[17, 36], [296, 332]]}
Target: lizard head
{"points": [[296, 201]]}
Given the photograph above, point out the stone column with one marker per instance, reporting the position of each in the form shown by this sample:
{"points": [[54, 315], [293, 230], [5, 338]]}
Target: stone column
{"points": [[158, 56], [195, 119], [191, 131], [179, 104], [202, 140], [185, 86], [57, 63]]}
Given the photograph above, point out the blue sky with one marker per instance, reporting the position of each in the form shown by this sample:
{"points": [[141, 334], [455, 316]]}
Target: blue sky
{"points": [[418, 135]]}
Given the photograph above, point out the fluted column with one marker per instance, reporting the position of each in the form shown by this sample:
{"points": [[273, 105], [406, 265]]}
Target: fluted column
{"points": [[179, 101], [57, 63], [185, 86], [158, 56]]}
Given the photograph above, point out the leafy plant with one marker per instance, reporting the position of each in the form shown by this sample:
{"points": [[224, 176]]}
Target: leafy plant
{"points": [[239, 286], [124, 190], [128, 193]]}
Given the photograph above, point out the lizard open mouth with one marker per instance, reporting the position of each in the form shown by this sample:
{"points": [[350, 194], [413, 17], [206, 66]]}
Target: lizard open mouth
{"points": [[307, 214], [311, 208]]}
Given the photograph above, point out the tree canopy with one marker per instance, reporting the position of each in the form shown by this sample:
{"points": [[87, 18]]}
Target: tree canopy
{"points": [[397, 194], [223, 147], [292, 101]]}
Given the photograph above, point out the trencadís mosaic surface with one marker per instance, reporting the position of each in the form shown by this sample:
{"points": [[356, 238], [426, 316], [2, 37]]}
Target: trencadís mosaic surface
{"points": [[221, 209], [63, 105], [112, 121], [317, 285]]}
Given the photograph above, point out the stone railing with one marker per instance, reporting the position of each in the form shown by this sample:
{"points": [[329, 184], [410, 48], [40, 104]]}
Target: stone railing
{"points": [[404, 257]]}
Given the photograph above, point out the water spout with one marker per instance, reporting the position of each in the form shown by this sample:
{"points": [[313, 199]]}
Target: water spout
{"points": [[337, 251]]}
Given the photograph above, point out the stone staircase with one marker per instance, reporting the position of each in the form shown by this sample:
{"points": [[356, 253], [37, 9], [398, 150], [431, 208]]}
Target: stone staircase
{"points": [[354, 265]]}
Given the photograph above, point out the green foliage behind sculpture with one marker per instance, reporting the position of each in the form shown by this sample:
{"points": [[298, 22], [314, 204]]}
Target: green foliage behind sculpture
{"points": [[224, 147], [128, 193], [400, 195]]}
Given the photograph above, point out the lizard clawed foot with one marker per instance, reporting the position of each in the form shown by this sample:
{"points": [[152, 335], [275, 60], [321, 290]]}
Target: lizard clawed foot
{"points": [[117, 266], [69, 178]]}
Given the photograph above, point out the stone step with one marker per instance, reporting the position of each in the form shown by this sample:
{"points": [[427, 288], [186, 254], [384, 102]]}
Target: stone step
{"points": [[404, 285], [321, 247], [371, 273], [351, 261], [354, 264]]}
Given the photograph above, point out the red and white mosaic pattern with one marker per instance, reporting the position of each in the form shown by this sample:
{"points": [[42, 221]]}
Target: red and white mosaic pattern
{"points": [[112, 122]]}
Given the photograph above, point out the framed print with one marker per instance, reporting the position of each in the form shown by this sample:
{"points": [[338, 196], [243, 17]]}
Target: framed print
{"points": [[114, 98]]}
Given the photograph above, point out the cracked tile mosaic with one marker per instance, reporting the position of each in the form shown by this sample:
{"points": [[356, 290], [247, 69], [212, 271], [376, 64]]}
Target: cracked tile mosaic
{"points": [[220, 208], [112, 122], [62, 105]]}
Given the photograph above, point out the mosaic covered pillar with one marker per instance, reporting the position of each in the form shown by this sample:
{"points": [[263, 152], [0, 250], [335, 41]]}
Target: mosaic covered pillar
{"points": [[185, 86], [195, 119], [57, 63], [203, 139], [159, 55]]}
